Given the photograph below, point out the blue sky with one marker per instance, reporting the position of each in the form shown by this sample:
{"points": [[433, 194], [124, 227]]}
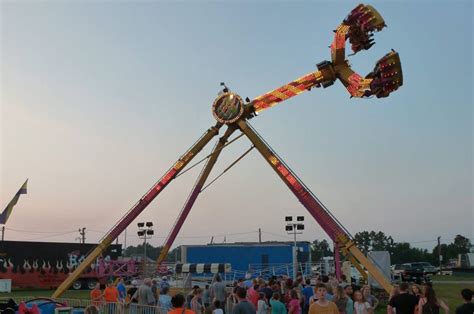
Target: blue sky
{"points": [[98, 99]]}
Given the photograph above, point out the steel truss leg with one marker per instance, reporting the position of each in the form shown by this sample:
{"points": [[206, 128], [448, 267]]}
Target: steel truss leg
{"points": [[194, 193], [329, 224], [133, 213]]}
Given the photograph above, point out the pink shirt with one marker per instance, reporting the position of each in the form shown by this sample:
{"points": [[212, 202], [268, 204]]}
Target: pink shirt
{"points": [[294, 306]]}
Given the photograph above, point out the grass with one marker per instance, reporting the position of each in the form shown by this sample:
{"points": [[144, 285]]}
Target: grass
{"points": [[454, 278], [70, 294]]}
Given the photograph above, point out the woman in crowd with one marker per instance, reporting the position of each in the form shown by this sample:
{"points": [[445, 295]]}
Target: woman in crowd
{"points": [[262, 305], [196, 305], [429, 303], [416, 291], [360, 305], [294, 306]]}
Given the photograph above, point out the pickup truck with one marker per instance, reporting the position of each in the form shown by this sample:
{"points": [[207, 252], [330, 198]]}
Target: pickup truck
{"points": [[412, 272]]}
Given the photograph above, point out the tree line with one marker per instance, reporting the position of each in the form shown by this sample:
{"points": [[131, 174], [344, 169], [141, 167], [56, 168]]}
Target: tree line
{"points": [[400, 252]]}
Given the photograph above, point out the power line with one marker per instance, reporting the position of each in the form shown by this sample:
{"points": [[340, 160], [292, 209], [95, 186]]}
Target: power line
{"points": [[30, 231]]}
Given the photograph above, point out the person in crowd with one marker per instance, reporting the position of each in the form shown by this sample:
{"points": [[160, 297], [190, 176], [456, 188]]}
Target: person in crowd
{"points": [[131, 297], [155, 289], [122, 290], [307, 292], [218, 290], [164, 283], [265, 289], [344, 279], [287, 291], [429, 303], [276, 305], [330, 292], [248, 281], [333, 282], [111, 297], [395, 291], [217, 308], [206, 297], [361, 306], [144, 294], [340, 299], [111, 294], [164, 301], [91, 309], [178, 305], [96, 296], [294, 304], [253, 295], [416, 291], [244, 306], [468, 306], [262, 304], [196, 305], [369, 297], [190, 296], [322, 305], [403, 303], [348, 291]]}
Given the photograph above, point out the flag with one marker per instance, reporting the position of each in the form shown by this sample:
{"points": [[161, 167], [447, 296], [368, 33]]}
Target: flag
{"points": [[8, 210]]}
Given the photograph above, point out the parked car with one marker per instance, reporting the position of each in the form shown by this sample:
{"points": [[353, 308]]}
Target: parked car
{"points": [[412, 272], [427, 267]]}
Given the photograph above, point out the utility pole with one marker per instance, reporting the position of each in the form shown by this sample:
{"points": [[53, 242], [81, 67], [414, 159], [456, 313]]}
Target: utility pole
{"points": [[259, 235], [125, 241], [440, 257], [3, 233], [145, 232], [82, 233], [291, 228]]}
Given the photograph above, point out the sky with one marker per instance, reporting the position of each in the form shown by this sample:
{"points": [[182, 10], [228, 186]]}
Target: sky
{"points": [[100, 98]]}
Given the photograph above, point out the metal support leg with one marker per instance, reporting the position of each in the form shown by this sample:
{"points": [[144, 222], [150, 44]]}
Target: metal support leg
{"points": [[194, 194], [329, 224], [133, 213]]}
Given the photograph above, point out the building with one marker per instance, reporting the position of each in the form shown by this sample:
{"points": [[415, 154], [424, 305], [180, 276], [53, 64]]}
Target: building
{"points": [[266, 258]]}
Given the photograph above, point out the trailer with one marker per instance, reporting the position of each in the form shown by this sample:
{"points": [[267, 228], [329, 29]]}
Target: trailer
{"points": [[44, 265]]}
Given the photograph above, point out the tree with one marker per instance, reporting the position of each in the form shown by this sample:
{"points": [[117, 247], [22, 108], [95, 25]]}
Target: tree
{"points": [[320, 249], [462, 244], [403, 253], [373, 241]]}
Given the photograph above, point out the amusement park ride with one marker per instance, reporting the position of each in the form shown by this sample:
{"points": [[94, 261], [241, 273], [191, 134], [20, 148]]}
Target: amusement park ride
{"points": [[231, 110]]}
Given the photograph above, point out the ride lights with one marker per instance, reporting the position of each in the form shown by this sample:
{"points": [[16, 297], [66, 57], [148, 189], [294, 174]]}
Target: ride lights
{"points": [[386, 76]]}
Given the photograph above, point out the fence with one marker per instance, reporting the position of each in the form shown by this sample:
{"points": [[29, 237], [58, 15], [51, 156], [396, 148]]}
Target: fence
{"points": [[103, 307]]}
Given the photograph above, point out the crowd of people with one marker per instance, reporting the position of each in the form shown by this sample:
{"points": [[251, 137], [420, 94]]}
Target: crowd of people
{"points": [[327, 295]]}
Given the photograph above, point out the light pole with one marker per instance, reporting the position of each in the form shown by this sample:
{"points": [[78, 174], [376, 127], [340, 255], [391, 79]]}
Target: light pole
{"points": [[145, 231], [294, 228]]}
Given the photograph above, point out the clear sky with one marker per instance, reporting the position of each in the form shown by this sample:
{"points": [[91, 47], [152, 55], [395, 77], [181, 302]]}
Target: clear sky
{"points": [[99, 98]]}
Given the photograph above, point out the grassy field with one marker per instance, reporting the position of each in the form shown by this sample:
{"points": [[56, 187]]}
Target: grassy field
{"points": [[454, 278], [70, 294]]}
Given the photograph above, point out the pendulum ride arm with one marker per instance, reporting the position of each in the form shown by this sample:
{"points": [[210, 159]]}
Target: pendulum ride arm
{"points": [[194, 193], [358, 27], [325, 219], [137, 209]]}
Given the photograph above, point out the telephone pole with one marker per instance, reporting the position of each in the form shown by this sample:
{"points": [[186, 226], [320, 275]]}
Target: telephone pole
{"points": [[82, 233], [259, 235], [440, 257]]}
